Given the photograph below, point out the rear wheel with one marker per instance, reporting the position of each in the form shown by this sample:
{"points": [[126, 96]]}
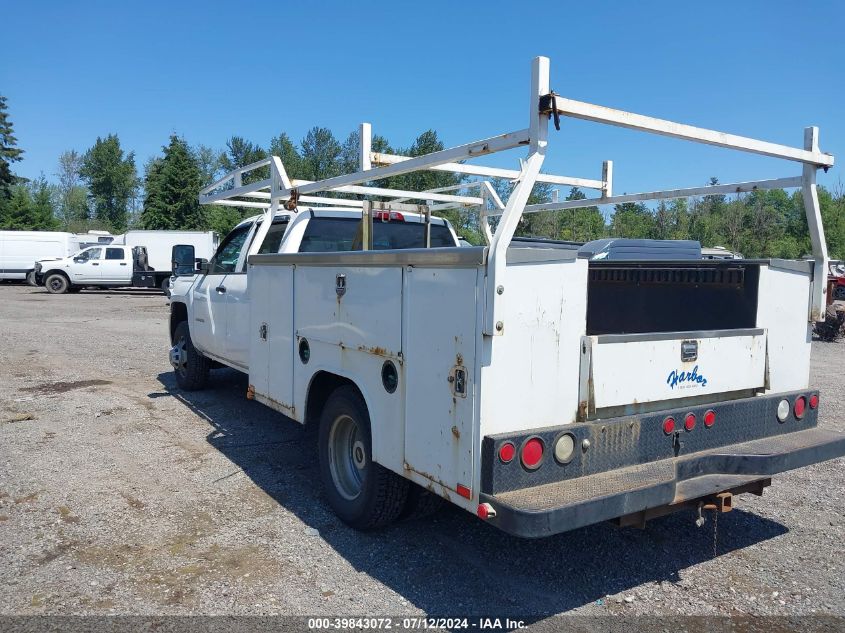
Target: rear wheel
{"points": [[57, 284], [30, 278], [190, 366], [839, 293], [362, 493], [165, 286]]}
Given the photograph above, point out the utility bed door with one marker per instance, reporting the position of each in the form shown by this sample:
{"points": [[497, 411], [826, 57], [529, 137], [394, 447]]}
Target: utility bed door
{"points": [[629, 370], [439, 328]]}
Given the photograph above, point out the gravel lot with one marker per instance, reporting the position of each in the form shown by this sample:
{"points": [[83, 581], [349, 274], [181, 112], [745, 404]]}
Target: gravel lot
{"points": [[119, 494]]}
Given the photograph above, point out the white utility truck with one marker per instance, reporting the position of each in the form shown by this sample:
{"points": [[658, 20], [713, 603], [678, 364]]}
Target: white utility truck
{"points": [[541, 390], [136, 259]]}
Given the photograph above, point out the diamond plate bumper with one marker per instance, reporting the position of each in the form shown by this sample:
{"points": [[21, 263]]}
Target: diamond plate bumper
{"points": [[575, 499]]}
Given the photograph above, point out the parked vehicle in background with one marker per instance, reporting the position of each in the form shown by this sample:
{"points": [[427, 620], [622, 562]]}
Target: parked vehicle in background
{"points": [[19, 250], [836, 281], [719, 252], [137, 259]]}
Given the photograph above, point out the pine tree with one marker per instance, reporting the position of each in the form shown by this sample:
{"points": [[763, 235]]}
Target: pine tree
{"points": [[112, 181], [9, 152], [42, 193], [172, 187]]}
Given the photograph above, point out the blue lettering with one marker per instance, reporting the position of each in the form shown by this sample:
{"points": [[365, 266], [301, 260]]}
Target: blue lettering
{"points": [[676, 377]]}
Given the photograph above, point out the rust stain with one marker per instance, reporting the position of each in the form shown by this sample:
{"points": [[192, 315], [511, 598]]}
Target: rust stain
{"points": [[456, 432], [378, 351]]}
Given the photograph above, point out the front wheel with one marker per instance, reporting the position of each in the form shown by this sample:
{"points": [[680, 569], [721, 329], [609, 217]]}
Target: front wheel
{"points": [[839, 293], [364, 494], [57, 284], [190, 366]]}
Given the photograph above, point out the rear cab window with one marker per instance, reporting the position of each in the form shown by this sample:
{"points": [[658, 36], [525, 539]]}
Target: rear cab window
{"points": [[323, 235]]}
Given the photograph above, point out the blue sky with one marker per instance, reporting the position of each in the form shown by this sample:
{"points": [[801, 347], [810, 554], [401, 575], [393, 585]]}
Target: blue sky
{"points": [[206, 71]]}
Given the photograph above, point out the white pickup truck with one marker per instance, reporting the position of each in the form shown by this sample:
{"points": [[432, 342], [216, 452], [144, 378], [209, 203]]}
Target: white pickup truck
{"points": [[136, 259], [538, 389]]}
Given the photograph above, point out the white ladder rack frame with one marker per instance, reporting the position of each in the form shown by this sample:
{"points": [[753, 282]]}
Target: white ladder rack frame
{"points": [[269, 193]]}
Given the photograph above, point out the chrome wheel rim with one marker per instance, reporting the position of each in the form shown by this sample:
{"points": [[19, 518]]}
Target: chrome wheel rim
{"points": [[347, 457], [179, 356]]}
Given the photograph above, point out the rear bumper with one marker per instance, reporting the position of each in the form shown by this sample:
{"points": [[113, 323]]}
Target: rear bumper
{"points": [[576, 501]]}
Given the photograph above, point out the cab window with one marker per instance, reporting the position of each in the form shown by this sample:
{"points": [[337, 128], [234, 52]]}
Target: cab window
{"points": [[226, 258], [114, 253], [90, 254], [344, 234], [273, 239]]}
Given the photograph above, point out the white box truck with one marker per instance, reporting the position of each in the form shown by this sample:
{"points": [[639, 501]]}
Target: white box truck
{"points": [[136, 259], [537, 389], [19, 250]]}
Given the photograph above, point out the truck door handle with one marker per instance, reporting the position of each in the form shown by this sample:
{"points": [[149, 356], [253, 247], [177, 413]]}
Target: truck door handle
{"points": [[221, 289], [123, 263], [95, 264]]}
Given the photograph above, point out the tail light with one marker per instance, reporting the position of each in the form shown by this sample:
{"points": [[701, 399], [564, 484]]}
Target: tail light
{"points": [[709, 418], [507, 452], [689, 421], [532, 453], [669, 425], [388, 216], [814, 401], [800, 407]]}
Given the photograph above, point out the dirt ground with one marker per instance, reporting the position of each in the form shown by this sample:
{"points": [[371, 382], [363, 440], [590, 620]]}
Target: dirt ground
{"points": [[120, 494]]}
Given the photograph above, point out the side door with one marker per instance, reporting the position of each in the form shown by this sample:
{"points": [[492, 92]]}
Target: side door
{"points": [[116, 266], [238, 332], [208, 325], [85, 266]]}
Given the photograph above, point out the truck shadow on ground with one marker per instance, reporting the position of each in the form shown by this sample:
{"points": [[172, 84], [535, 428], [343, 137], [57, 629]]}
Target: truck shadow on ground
{"points": [[452, 563]]}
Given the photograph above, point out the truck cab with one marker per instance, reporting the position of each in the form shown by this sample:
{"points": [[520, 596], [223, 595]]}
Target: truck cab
{"points": [[216, 300]]}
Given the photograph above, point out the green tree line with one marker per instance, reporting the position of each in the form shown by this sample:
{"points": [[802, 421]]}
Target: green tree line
{"points": [[101, 189]]}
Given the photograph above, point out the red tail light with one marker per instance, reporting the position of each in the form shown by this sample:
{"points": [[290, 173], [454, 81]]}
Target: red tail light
{"points": [[532, 453], [507, 452], [709, 418], [814, 401], [669, 425], [800, 407], [689, 421]]}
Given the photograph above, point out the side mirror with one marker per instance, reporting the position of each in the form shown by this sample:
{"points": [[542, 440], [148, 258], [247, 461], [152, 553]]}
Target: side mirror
{"points": [[79, 260], [202, 265], [182, 259]]}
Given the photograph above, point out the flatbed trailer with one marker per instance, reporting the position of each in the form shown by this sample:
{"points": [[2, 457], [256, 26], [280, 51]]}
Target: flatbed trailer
{"points": [[506, 378]]}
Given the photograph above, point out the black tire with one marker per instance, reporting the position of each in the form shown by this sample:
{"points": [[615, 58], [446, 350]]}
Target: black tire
{"points": [[189, 365], [420, 503], [30, 278], [839, 293], [165, 286], [57, 283], [381, 493]]}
